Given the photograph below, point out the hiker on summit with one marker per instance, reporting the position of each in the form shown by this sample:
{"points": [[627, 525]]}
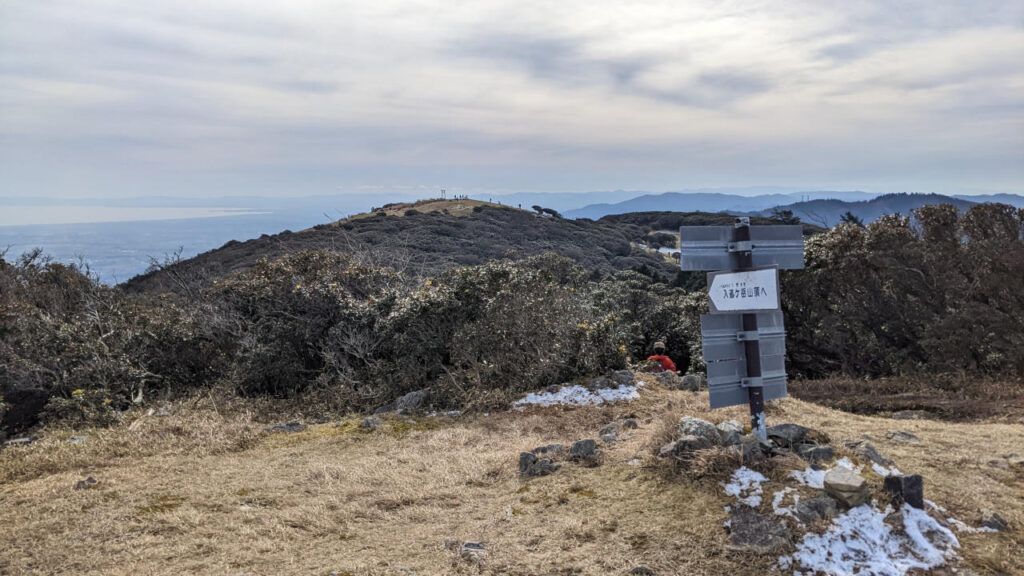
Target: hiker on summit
{"points": [[666, 363]]}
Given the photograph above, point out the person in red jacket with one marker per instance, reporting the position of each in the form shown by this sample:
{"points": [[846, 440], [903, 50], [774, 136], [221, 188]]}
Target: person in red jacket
{"points": [[667, 364]]}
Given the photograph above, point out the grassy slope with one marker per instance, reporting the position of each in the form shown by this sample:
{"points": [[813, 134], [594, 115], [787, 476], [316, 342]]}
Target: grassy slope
{"points": [[172, 490]]}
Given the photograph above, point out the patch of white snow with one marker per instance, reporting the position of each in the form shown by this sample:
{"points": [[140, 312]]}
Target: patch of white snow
{"points": [[745, 485], [578, 396], [861, 542], [809, 477], [964, 527], [781, 510], [883, 471]]}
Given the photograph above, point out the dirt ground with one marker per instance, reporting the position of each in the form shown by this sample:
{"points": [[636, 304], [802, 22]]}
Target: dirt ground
{"points": [[208, 491]]}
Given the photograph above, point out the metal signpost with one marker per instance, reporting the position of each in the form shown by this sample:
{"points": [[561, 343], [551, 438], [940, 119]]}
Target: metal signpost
{"points": [[744, 340]]}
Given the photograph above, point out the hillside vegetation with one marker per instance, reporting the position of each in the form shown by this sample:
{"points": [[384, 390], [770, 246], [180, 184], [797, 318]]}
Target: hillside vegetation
{"points": [[942, 294], [425, 243]]}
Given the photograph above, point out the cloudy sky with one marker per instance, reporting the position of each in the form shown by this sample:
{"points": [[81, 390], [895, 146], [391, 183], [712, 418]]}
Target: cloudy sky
{"points": [[262, 97]]}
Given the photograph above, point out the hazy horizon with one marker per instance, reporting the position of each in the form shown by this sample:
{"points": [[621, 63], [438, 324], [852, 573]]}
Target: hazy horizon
{"points": [[259, 98]]}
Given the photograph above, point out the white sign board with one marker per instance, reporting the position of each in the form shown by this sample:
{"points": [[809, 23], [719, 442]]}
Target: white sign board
{"points": [[754, 290]]}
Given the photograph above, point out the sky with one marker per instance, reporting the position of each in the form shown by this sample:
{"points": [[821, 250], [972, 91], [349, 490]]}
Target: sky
{"points": [[147, 98]]}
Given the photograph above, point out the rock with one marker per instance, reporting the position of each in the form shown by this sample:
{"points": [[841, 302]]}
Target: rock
{"points": [[323, 420], [847, 487], [623, 377], [911, 415], [287, 428], [609, 429], [814, 453], [788, 435], [667, 450], [817, 509], [864, 449], [689, 426], [630, 424], [609, 438], [24, 441], [751, 531], [729, 432], [371, 423], [908, 488], [584, 450], [902, 437], [994, 521], [752, 449], [84, 484], [1000, 464], [530, 465], [415, 400], [684, 447], [641, 571], [472, 550], [599, 383], [78, 439], [1014, 459], [549, 449], [669, 380], [693, 382]]}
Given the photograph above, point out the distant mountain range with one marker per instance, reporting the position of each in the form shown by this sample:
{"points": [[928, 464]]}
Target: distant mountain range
{"points": [[822, 208], [711, 200], [828, 213]]}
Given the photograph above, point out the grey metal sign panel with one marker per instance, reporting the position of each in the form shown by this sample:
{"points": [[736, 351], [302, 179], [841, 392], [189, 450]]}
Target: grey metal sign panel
{"points": [[712, 248], [724, 355], [723, 396]]}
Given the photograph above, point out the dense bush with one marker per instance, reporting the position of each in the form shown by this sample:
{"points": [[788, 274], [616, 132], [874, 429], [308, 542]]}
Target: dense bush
{"points": [[476, 334], [63, 335], [943, 291]]}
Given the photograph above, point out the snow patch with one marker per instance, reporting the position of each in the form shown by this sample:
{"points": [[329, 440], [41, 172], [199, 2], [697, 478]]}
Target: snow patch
{"points": [[883, 471], [816, 478], [809, 477], [964, 527], [745, 485], [860, 542], [781, 510], [577, 395]]}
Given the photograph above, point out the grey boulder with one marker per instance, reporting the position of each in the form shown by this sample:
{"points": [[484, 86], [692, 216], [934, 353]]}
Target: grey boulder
{"points": [[788, 435], [530, 465], [371, 423], [689, 426], [692, 382], [623, 377], [817, 509], [863, 449], [584, 450], [814, 453], [751, 531], [415, 400], [729, 432]]}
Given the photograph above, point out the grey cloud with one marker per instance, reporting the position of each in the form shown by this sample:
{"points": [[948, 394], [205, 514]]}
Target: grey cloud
{"points": [[552, 59]]}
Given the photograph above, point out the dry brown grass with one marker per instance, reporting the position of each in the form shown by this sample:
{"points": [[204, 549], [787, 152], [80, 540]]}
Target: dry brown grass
{"points": [[209, 492], [966, 397], [453, 207]]}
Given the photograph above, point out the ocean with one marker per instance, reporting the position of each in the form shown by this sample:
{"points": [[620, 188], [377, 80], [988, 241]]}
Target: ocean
{"points": [[119, 243]]}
